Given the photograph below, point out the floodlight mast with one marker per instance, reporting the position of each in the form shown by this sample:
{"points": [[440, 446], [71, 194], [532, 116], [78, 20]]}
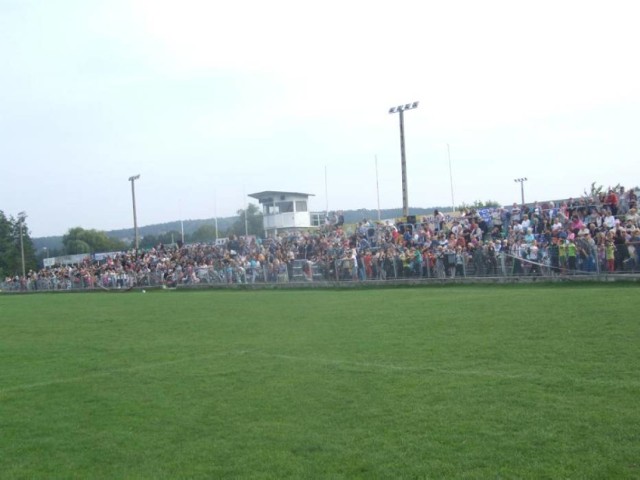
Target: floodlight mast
{"points": [[135, 219], [405, 194], [521, 181]]}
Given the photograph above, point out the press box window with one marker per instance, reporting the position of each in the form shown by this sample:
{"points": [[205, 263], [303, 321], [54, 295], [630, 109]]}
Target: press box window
{"points": [[285, 207]]}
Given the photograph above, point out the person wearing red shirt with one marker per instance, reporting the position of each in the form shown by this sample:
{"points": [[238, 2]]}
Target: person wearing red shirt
{"points": [[612, 202]]}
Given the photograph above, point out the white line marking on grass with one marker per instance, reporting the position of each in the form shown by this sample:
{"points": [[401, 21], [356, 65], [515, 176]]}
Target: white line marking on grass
{"points": [[81, 378], [320, 361], [325, 361], [417, 369]]}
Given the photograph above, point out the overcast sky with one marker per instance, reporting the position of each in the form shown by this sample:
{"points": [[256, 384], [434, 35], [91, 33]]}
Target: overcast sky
{"points": [[212, 100]]}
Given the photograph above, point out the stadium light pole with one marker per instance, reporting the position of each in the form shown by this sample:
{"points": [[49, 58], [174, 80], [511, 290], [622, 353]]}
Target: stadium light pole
{"points": [[405, 194], [21, 218], [135, 218], [521, 181]]}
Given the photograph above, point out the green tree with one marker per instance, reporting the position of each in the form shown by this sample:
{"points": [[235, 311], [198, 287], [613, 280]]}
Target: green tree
{"points": [[205, 233], [12, 231], [171, 237], [79, 240], [7, 247], [167, 238], [75, 246], [253, 224], [149, 241], [479, 204]]}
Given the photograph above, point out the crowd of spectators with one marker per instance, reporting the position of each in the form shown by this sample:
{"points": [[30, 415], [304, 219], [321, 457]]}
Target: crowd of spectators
{"points": [[588, 235]]}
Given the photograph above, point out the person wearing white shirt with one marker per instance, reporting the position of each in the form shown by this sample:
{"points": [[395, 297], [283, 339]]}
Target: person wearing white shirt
{"points": [[609, 220], [557, 225], [517, 227]]}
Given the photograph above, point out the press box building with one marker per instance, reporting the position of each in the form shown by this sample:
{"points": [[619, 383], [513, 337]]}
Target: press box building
{"points": [[286, 212]]}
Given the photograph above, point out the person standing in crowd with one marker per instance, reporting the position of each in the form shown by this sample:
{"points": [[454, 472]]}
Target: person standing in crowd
{"points": [[534, 259], [611, 201], [572, 254], [505, 216], [492, 260], [368, 264], [632, 217], [609, 220], [484, 227], [621, 250], [610, 252], [554, 255], [632, 199], [438, 221], [515, 213]]}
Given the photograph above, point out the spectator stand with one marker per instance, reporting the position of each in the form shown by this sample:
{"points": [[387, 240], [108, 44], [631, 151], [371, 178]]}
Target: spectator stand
{"points": [[575, 237]]}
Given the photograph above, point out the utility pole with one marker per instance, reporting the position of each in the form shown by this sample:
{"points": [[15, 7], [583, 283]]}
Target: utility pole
{"points": [[135, 218], [453, 203], [405, 194], [21, 217], [377, 188]]}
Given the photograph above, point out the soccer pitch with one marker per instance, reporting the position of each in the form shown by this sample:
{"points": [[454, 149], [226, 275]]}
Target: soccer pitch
{"points": [[536, 381]]}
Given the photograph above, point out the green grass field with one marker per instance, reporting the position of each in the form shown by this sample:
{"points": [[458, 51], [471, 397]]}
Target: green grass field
{"points": [[436, 382]]}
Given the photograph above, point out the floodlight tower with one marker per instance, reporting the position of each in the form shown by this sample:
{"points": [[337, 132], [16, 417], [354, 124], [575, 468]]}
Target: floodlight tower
{"points": [[135, 218], [521, 181], [405, 194]]}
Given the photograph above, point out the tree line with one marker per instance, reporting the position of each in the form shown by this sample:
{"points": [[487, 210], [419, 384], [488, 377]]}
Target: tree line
{"points": [[78, 240], [14, 241]]}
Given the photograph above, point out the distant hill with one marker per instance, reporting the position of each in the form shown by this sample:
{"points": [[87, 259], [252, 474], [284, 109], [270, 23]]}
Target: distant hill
{"points": [[190, 226], [55, 242], [350, 216], [355, 216]]}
